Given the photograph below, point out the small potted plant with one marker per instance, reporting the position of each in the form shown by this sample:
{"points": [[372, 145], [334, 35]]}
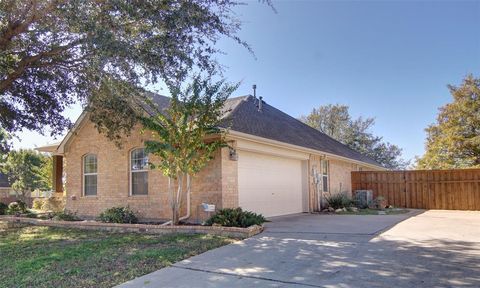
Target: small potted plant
{"points": [[381, 203]]}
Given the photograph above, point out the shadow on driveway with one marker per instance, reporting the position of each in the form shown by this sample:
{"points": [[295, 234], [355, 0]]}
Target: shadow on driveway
{"points": [[338, 251]]}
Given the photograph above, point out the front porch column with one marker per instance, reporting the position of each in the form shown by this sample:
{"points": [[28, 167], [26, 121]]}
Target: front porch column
{"points": [[57, 173]]}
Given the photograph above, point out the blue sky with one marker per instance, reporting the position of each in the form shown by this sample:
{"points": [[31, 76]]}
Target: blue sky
{"points": [[385, 59]]}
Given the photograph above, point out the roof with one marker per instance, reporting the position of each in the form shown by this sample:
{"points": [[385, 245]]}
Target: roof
{"points": [[4, 180], [274, 124], [242, 115]]}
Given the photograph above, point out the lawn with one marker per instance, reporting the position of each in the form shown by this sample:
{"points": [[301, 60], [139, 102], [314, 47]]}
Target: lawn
{"points": [[55, 257]]}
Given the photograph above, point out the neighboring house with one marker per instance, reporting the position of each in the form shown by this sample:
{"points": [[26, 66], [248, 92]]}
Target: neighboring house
{"points": [[7, 194], [271, 169]]}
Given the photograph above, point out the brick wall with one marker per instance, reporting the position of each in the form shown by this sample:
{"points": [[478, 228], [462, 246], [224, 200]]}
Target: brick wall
{"points": [[113, 179], [215, 184]]}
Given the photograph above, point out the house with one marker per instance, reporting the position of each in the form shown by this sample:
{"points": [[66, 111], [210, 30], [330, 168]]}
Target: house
{"points": [[276, 165], [7, 194]]}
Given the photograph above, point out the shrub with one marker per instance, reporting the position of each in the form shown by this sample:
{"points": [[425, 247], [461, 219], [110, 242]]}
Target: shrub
{"points": [[38, 203], [379, 203], [118, 215], [65, 216], [30, 214], [339, 200], [3, 208], [235, 217], [17, 207]]}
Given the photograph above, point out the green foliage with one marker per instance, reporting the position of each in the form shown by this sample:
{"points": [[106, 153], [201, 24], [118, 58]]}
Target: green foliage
{"points": [[235, 217], [339, 200], [186, 135], [4, 144], [55, 53], [3, 208], [65, 216], [39, 256], [30, 214], [26, 171], [37, 203], [454, 140], [118, 215], [336, 122], [16, 207]]}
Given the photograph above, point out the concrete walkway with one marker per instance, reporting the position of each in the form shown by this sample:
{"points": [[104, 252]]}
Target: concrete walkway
{"points": [[430, 249]]}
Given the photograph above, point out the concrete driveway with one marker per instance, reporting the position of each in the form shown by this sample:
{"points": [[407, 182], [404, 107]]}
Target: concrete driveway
{"points": [[429, 249]]}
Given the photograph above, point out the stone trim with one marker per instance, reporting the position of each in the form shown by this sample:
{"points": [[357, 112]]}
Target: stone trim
{"points": [[139, 228]]}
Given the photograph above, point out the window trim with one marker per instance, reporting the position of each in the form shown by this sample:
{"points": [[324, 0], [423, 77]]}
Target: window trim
{"points": [[130, 173], [325, 175], [89, 174]]}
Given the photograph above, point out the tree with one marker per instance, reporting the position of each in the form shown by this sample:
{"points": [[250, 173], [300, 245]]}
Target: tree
{"points": [[187, 135], [454, 140], [4, 145], [336, 122], [57, 52], [24, 171]]}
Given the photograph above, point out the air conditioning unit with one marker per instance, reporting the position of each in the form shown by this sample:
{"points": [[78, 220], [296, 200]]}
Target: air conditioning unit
{"points": [[363, 198]]}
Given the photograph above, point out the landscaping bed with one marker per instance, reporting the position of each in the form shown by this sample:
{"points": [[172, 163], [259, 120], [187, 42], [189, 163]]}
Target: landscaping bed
{"points": [[236, 232], [40, 256], [368, 211]]}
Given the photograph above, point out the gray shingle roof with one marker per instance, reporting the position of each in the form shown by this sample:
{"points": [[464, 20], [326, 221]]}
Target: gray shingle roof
{"points": [[242, 115]]}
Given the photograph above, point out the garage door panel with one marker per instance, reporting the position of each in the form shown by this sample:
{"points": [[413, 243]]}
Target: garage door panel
{"points": [[269, 185]]}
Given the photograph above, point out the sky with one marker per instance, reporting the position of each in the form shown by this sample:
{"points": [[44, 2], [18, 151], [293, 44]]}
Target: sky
{"points": [[391, 60]]}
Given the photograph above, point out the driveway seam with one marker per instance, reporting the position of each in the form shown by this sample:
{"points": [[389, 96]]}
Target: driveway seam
{"points": [[245, 276]]}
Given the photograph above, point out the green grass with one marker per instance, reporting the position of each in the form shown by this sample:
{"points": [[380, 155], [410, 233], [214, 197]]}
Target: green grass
{"points": [[374, 212], [37, 256]]}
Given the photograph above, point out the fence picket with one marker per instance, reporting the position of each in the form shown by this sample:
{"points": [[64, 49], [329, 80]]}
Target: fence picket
{"points": [[457, 189]]}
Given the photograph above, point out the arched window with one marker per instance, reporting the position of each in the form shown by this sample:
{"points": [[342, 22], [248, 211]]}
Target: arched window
{"points": [[90, 170], [138, 172]]}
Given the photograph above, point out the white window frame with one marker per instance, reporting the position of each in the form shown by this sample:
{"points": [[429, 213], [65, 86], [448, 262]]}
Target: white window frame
{"points": [[84, 174], [325, 175], [131, 171]]}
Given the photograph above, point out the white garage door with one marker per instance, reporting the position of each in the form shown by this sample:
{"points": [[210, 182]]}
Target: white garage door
{"points": [[269, 185]]}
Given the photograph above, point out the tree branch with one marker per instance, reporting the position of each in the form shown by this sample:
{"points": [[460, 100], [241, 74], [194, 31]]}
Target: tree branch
{"points": [[28, 61], [18, 27]]}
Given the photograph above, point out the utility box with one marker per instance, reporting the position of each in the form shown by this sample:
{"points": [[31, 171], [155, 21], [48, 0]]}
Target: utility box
{"points": [[363, 198], [208, 207]]}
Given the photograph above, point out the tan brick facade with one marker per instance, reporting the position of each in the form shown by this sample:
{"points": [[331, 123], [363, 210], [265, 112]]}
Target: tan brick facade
{"points": [[215, 184], [339, 178], [113, 179]]}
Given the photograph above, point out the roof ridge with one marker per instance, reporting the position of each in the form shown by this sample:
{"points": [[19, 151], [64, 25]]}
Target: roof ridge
{"points": [[312, 130]]}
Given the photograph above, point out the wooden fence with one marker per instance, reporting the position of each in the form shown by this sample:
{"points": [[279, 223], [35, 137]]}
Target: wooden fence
{"points": [[423, 189]]}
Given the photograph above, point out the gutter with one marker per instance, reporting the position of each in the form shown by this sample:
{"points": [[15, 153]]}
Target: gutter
{"points": [[240, 135]]}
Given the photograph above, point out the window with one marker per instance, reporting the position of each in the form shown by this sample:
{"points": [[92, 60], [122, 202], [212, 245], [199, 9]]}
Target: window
{"points": [[90, 175], [138, 172], [324, 164]]}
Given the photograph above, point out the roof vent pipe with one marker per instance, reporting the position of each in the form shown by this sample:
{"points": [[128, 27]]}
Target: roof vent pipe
{"points": [[260, 103]]}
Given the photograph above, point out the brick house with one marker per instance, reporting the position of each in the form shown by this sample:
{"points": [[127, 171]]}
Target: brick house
{"points": [[277, 166]]}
